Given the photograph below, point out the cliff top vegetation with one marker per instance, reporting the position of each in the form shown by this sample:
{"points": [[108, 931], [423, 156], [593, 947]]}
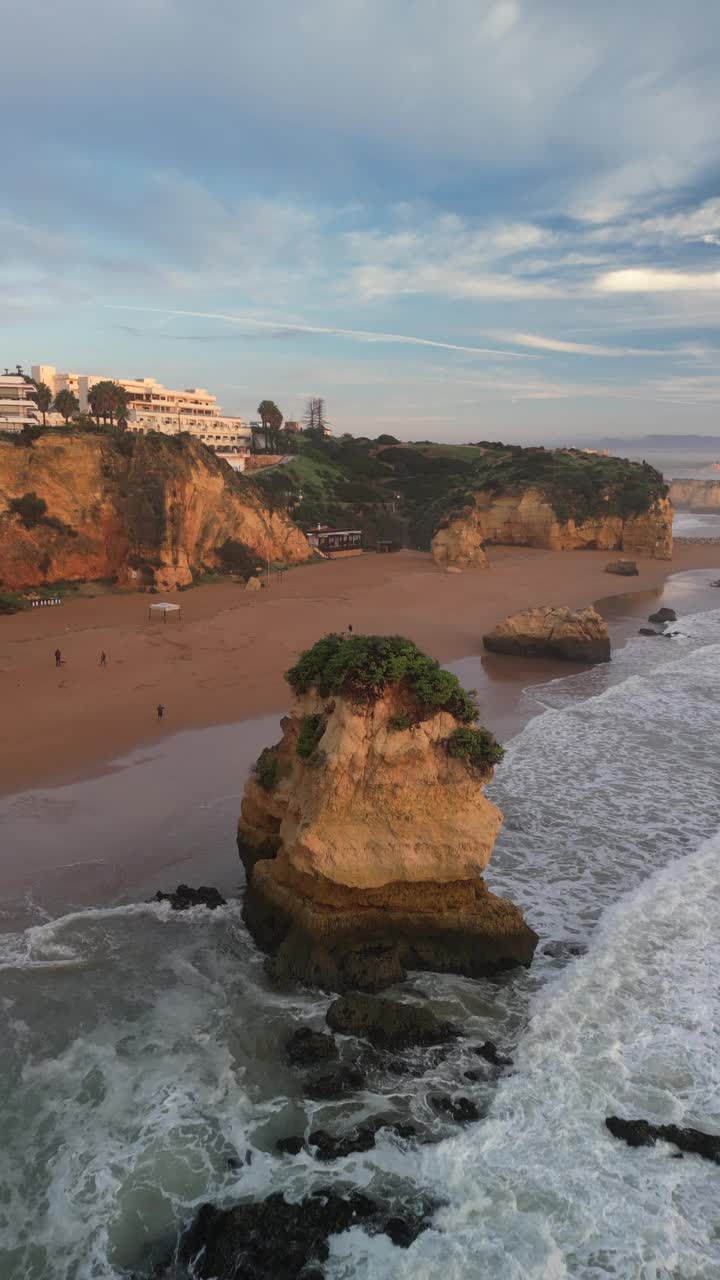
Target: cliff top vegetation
{"points": [[405, 492], [363, 667]]}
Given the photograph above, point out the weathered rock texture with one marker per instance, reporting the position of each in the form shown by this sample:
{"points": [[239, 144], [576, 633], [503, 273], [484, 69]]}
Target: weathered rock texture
{"points": [[139, 510], [527, 519], [551, 632], [695, 495], [459, 545], [365, 859]]}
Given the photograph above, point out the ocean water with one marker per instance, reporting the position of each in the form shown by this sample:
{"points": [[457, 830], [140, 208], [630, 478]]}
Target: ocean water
{"points": [[142, 1058]]}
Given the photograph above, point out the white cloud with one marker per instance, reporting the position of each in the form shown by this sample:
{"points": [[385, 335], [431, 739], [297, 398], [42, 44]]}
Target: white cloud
{"points": [[375, 282], [539, 343], [656, 280]]}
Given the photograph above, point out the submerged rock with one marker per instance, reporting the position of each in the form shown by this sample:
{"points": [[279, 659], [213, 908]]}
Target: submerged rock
{"points": [[306, 1047], [336, 1083], [648, 631], [329, 1146], [388, 1024], [551, 632], [185, 897], [365, 831], [624, 568], [290, 1146], [564, 949], [489, 1051], [663, 615], [641, 1133], [285, 1241], [462, 1110]]}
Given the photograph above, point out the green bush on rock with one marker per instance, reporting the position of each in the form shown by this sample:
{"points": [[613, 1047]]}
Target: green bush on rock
{"points": [[362, 667], [478, 747], [267, 769], [311, 731]]}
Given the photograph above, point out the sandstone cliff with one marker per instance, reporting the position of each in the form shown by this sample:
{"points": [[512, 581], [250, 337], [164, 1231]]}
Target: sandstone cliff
{"points": [[528, 519], [552, 632], [135, 509], [695, 495], [365, 830]]}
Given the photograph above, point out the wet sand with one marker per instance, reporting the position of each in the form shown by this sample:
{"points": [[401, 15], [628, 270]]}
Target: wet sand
{"points": [[224, 661]]}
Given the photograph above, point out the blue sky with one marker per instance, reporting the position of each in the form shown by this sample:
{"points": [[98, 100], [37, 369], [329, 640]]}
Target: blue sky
{"points": [[457, 220]]}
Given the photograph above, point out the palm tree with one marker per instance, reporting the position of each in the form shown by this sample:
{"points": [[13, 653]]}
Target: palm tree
{"points": [[42, 395], [66, 403]]}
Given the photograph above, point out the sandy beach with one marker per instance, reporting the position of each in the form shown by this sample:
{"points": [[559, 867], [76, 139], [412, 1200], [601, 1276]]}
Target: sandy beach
{"points": [[225, 660]]}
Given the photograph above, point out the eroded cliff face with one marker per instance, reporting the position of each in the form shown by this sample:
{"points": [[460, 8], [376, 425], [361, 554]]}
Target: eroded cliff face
{"points": [[365, 859], [527, 519], [138, 510], [696, 495]]}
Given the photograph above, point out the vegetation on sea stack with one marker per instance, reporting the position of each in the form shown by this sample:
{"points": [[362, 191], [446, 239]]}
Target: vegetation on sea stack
{"points": [[478, 747], [362, 667], [311, 731]]}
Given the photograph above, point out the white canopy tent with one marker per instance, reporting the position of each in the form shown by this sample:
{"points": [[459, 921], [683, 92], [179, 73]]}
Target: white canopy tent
{"points": [[164, 609]]}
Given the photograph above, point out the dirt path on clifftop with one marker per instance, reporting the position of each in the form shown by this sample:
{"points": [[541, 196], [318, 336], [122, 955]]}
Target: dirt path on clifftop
{"points": [[225, 660]]}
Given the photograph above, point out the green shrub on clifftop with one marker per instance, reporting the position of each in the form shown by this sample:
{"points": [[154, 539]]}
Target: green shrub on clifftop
{"points": [[362, 667]]}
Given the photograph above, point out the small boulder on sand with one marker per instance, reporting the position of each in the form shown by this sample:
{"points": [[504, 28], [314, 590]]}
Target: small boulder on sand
{"points": [[624, 568], [550, 632], [663, 615], [253, 584]]}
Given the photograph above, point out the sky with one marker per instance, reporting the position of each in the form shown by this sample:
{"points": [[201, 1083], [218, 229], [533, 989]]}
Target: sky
{"points": [[453, 219]]}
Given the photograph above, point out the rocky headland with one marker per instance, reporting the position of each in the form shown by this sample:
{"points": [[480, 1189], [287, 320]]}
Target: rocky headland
{"points": [[560, 500], [696, 495], [135, 510], [550, 632], [364, 832]]}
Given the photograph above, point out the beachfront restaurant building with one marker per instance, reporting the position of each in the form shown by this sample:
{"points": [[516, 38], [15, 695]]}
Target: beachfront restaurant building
{"points": [[335, 541]]}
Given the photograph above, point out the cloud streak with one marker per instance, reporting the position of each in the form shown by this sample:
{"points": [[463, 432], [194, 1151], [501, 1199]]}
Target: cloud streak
{"points": [[358, 335]]}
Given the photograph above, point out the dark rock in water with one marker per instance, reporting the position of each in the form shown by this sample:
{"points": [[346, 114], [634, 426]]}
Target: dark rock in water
{"points": [[648, 631], [274, 1239], [335, 1084], [234, 1163], [489, 1051], [625, 568], [254, 1241], [403, 1231], [387, 1023], [461, 1109], [564, 949], [289, 1146], [663, 615], [641, 1133], [474, 1076], [185, 897], [306, 1047], [334, 1146]]}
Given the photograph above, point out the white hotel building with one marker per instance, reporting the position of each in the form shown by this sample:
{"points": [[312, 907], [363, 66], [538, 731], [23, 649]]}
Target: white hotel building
{"points": [[154, 407], [17, 410]]}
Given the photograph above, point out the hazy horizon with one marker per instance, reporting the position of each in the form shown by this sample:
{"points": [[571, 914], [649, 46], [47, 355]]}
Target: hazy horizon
{"points": [[484, 220]]}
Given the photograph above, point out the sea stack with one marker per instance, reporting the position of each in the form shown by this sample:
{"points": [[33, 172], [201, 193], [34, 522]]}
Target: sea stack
{"points": [[364, 832]]}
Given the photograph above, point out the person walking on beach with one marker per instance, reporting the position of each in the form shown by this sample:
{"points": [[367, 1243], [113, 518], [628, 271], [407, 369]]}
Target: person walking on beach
{"points": [[58, 658], [349, 628], [103, 658], [160, 710]]}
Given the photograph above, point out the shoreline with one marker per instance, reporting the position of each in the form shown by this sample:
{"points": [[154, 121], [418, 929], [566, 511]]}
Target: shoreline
{"points": [[224, 662]]}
